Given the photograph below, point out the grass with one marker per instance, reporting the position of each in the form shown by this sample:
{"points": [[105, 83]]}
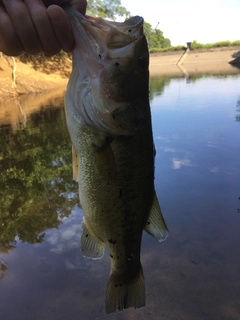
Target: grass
{"points": [[176, 48], [227, 43], [195, 45]]}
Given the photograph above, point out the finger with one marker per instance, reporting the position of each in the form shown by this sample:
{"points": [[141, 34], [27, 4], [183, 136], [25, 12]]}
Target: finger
{"points": [[61, 26], [23, 25], [44, 27], [9, 42]]}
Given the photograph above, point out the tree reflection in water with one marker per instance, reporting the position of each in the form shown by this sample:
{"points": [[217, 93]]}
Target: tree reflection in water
{"points": [[3, 268], [238, 110], [36, 186]]}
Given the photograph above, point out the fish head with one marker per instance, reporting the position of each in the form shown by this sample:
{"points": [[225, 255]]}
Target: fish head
{"points": [[109, 81]]}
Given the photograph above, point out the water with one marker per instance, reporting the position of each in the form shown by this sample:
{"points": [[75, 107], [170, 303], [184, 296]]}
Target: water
{"points": [[193, 275]]}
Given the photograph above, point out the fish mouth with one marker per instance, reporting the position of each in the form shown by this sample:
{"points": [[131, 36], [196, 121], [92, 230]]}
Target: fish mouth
{"points": [[95, 35], [114, 37]]}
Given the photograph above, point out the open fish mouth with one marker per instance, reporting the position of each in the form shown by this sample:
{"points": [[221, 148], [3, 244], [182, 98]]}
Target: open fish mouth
{"points": [[100, 35]]}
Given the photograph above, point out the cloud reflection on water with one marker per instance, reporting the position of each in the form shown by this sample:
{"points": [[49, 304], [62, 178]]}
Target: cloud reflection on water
{"points": [[178, 163], [68, 236]]}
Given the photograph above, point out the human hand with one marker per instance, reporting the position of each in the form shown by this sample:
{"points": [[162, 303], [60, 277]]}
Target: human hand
{"points": [[35, 26]]}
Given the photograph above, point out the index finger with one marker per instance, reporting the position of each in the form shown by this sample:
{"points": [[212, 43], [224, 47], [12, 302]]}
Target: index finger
{"points": [[9, 41]]}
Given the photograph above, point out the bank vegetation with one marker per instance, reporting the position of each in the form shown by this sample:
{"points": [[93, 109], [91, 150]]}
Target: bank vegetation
{"points": [[194, 45]]}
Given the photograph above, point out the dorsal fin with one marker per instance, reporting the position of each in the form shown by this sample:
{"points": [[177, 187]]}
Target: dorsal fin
{"points": [[75, 163]]}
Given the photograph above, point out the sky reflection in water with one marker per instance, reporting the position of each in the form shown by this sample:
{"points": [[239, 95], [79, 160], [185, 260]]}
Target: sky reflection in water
{"points": [[193, 275]]}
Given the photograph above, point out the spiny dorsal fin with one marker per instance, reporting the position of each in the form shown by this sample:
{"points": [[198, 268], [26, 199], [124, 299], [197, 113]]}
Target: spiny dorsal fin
{"points": [[74, 164], [156, 225], [91, 246]]}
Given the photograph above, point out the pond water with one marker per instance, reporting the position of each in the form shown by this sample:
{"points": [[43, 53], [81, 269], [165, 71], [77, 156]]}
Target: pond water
{"points": [[195, 274]]}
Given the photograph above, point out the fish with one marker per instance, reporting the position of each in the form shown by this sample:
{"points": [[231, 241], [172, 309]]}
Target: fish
{"points": [[109, 121]]}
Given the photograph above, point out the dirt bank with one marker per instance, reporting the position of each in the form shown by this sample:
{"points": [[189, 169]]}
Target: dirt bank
{"points": [[54, 73], [31, 78]]}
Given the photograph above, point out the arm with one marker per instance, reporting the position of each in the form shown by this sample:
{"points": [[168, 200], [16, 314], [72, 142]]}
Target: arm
{"points": [[34, 26]]}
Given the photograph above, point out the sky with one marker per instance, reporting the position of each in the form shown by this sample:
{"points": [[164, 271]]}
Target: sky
{"points": [[206, 21]]}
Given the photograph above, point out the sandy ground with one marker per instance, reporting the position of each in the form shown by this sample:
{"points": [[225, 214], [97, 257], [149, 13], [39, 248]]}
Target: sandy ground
{"points": [[213, 61]]}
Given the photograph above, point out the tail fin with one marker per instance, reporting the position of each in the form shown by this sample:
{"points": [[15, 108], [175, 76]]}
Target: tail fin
{"points": [[125, 295]]}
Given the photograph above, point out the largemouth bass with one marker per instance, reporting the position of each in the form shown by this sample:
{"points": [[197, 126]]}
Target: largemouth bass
{"points": [[109, 121]]}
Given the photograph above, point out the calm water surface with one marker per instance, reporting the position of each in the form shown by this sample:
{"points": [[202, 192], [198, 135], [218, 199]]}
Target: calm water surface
{"points": [[195, 274]]}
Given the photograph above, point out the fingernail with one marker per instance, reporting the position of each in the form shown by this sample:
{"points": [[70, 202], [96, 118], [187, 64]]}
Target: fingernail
{"points": [[56, 13]]}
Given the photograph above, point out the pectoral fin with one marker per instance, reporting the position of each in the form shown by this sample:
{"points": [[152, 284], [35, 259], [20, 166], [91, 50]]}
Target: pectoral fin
{"points": [[91, 246], [74, 164], [156, 225]]}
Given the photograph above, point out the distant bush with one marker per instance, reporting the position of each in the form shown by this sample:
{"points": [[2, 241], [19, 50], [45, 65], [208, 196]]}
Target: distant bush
{"points": [[176, 48], [222, 44], [227, 43], [236, 43], [196, 45]]}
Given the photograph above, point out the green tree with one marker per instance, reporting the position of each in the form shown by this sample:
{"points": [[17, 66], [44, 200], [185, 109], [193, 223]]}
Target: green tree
{"points": [[147, 28], [155, 37], [107, 9]]}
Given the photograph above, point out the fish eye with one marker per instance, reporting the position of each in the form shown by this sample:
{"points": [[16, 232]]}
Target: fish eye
{"points": [[142, 62]]}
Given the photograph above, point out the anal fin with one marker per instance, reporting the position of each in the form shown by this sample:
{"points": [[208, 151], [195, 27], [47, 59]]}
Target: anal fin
{"points": [[156, 225], [91, 246]]}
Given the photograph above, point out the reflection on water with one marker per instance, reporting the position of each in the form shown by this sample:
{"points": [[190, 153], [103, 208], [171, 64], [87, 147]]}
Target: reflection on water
{"points": [[35, 186], [157, 86], [193, 275], [238, 110]]}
